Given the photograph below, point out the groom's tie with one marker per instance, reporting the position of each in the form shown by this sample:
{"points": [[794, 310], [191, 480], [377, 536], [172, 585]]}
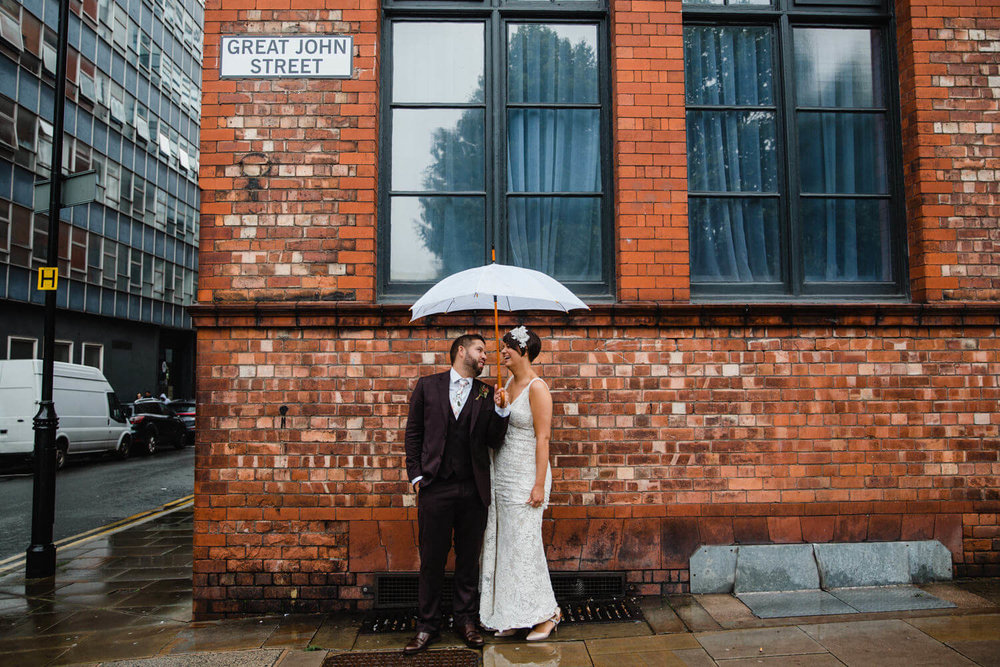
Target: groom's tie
{"points": [[456, 398]]}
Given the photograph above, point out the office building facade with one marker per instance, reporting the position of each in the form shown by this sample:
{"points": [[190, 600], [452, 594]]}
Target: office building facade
{"points": [[128, 259]]}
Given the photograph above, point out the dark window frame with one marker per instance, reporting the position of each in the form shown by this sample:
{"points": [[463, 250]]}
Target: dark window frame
{"points": [[495, 15], [782, 16]]}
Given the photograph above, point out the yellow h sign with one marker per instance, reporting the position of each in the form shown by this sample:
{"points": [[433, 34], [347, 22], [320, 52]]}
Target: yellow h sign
{"points": [[48, 278]]}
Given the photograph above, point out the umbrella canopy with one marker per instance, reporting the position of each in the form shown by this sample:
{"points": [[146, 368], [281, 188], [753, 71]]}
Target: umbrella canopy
{"points": [[496, 286], [513, 287]]}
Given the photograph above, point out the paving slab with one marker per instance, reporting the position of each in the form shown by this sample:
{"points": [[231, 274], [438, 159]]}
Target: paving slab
{"points": [[337, 632], [959, 628], [660, 616], [761, 643], [862, 564], [776, 567], [727, 610], [641, 644], [586, 631], [139, 642], [303, 658], [695, 657], [884, 643], [952, 592], [713, 569], [794, 603], [294, 631], [257, 658], [889, 598], [986, 652], [695, 618], [34, 658], [541, 654], [233, 635], [639, 659], [811, 660], [988, 589]]}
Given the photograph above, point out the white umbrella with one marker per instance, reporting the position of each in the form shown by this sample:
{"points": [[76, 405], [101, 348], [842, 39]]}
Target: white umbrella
{"points": [[496, 286]]}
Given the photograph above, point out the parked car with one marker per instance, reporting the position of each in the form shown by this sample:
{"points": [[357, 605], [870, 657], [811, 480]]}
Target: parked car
{"points": [[90, 416], [155, 424], [185, 409]]}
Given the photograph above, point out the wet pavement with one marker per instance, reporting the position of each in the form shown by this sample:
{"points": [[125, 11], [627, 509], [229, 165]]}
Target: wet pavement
{"points": [[124, 598]]}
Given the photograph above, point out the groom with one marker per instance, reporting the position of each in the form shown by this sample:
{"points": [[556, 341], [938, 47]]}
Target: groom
{"points": [[453, 418]]}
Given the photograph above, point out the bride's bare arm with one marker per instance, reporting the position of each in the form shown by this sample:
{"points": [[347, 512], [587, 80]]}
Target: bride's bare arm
{"points": [[541, 414]]}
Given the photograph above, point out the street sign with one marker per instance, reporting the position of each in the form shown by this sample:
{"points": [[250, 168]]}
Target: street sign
{"points": [[48, 278], [76, 189], [296, 57]]}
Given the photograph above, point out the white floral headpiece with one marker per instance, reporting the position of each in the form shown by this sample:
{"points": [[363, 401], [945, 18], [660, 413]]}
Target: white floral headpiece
{"points": [[520, 334]]}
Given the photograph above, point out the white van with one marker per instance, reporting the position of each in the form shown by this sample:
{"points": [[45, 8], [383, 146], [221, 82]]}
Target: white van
{"points": [[90, 417]]}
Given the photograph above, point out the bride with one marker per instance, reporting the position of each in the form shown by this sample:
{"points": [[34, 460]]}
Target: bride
{"points": [[515, 589]]}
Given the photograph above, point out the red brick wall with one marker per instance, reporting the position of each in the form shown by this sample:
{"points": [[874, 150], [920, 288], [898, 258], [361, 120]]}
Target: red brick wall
{"points": [[676, 424], [305, 230], [949, 58], [705, 426]]}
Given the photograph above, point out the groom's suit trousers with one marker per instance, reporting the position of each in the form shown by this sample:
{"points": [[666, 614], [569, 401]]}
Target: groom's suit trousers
{"points": [[449, 512]]}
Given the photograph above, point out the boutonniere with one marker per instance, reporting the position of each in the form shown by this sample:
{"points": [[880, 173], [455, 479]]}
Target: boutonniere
{"points": [[484, 391]]}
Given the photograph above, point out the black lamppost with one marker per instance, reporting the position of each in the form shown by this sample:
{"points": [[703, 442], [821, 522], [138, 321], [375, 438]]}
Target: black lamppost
{"points": [[40, 560]]}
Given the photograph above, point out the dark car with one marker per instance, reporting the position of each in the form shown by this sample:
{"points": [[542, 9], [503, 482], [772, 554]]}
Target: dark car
{"points": [[185, 409], [155, 424]]}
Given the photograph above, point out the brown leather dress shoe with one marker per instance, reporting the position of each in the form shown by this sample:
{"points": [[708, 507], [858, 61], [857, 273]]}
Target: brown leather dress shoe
{"points": [[420, 642], [470, 635]]}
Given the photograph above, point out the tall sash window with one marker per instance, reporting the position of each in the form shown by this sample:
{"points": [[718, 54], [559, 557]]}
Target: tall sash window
{"points": [[495, 117]]}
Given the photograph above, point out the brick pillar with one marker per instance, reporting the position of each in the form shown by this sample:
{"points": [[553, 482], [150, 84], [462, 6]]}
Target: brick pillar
{"points": [[949, 78], [650, 150]]}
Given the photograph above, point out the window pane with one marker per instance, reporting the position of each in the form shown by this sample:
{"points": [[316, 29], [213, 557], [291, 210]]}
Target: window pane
{"points": [[93, 355], [437, 62], [553, 150], [552, 63], [437, 149], [560, 236], [734, 240], [433, 237], [728, 65], [21, 348], [846, 239], [842, 153], [732, 151], [63, 351], [837, 67]]}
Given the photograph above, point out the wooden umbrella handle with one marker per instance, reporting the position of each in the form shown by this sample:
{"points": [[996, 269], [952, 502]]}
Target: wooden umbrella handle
{"points": [[496, 328], [496, 319]]}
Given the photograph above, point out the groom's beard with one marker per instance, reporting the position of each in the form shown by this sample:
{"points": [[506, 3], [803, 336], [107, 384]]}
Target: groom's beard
{"points": [[474, 368]]}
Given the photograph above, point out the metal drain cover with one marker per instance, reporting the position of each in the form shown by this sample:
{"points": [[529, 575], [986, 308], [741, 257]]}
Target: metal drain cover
{"points": [[614, 610], [431, 658]]}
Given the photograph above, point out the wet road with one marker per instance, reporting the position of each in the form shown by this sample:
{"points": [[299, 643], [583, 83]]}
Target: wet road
{"points": [[94, 492]]}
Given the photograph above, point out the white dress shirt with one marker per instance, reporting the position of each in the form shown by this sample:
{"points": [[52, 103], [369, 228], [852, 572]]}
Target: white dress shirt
{"points": [[457, 401]]}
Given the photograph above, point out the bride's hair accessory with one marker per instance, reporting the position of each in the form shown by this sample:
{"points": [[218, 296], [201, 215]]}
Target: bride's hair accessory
{"points": [[520, 334]]}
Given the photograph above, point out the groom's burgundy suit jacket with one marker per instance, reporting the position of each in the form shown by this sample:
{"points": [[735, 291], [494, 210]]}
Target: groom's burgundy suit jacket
{"points": [[427, 428]]}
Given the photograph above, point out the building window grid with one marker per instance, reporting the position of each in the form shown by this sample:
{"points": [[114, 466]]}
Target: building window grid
{"points": [[84, 159], [782, 19]]}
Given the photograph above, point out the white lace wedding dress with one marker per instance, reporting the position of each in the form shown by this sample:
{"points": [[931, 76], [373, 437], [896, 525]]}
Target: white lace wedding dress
{"points": [[515, 589]]}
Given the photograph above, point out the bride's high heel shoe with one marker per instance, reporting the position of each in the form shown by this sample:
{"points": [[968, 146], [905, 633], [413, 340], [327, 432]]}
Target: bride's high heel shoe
{"points": [[505, 633], [537, 635]]}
